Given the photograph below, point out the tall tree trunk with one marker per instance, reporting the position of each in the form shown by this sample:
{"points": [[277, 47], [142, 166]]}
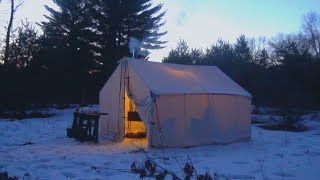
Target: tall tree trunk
{"points": [[6, 53]]}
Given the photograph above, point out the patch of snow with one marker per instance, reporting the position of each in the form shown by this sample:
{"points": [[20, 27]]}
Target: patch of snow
{"points": [[89, 109], [40, 147]]}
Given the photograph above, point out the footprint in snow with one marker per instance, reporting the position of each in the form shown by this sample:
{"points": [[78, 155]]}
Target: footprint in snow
{"points": [[237, 176], [125, 161], [92, 169], [314, 153], [107, 163], [240, 162], [21, 169], [68, 174], [304, 146], [42, 166], [298, 154], [43, 160], [205, 154], [80, 163], [110, 173], [279, 155], [284, 174]]}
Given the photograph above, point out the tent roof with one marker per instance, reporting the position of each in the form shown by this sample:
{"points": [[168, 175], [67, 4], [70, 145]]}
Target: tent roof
{"points": [[165, 78]]}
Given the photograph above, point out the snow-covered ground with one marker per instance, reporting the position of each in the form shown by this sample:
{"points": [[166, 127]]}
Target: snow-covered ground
{"points": [[40, 147]]}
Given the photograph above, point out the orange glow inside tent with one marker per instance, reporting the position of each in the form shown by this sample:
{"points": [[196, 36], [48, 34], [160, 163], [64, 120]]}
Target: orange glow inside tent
{"points": [[132, 125]]}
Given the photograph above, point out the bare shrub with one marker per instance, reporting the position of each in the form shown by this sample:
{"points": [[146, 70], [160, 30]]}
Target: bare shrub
{"points": [[287, 120]]}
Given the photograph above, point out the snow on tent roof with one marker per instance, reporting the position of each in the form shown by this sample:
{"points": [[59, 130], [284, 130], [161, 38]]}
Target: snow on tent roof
{"points": [[165, 78]]}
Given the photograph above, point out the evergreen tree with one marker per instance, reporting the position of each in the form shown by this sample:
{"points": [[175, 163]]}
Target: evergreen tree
{"points": [[220, 54], [118, 21], [242, 50], [84, 37], [182, 54], [24, 47], [68, 46], [20, 77], [262, 58]]}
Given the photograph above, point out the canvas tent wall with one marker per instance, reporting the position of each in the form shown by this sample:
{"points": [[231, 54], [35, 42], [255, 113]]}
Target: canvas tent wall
{"points": [[180, 105]]}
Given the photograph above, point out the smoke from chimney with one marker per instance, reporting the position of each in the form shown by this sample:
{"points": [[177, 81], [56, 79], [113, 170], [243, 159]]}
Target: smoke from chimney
{"points": [[134, 46]]}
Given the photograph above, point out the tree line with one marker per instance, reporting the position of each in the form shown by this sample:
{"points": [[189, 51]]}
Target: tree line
{"points": [[282, 71], [79, 44], [76, 50]]}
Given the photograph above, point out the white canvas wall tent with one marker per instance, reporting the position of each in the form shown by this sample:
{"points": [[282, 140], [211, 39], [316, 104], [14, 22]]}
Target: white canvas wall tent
{"points": [[179, 105]]}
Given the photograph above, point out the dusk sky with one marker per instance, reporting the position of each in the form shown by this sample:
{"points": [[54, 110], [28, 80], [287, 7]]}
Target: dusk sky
{"points": [[201, 23]]}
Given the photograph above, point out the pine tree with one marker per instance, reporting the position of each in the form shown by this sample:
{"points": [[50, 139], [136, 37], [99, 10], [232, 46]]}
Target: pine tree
{"points": [[182, 54], [220, 54], [68, 46], [242, 50], [84, 37], [118, 21], [24, 47], [261, 58]]}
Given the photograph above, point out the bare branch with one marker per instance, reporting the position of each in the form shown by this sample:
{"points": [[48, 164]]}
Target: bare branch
{"points": [[17, 7]]}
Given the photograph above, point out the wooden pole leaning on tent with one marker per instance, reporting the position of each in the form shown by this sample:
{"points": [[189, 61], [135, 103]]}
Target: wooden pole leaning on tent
{"points": [[120, 101], [127, 74], [124, 97], [158, 125]]}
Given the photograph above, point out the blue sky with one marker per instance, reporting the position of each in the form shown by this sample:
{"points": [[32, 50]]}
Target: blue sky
{"points": [[202, 22]]}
